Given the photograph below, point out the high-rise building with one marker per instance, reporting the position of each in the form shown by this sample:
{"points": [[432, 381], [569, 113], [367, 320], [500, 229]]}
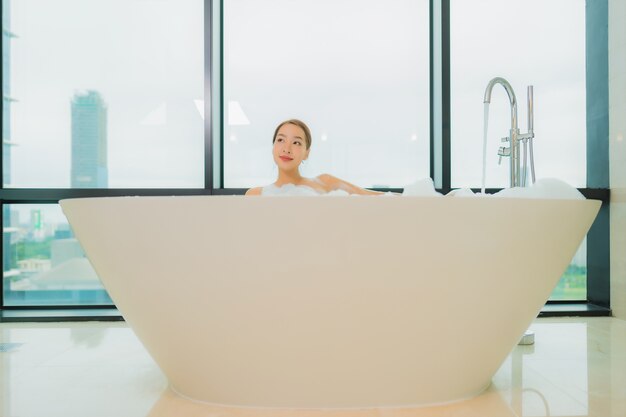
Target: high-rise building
{"points": [[89, 140]]}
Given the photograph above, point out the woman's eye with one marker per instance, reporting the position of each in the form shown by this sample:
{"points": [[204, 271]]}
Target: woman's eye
{"points": [[297, 143]]}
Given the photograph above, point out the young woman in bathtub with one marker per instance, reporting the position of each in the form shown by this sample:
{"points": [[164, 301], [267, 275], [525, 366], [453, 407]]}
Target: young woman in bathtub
{"points": [[292, 144]]}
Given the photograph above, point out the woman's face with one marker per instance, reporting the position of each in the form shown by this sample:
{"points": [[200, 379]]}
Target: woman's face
{"points": [[290, 147]]}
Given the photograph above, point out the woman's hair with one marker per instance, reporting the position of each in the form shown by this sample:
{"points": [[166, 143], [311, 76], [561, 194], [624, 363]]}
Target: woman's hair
{"points": [[301, 125]]}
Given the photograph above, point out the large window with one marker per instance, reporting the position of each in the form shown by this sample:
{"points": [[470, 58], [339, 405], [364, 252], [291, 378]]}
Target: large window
{"points": [[104, 93], [356, 72], [528, 42], [102, 96]]}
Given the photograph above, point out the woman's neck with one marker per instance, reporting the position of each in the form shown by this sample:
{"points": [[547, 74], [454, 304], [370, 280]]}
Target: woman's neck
{"points": [[285, 177]]}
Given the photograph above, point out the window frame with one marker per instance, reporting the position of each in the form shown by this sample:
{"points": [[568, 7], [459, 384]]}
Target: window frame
{"points": [[598, 256]]}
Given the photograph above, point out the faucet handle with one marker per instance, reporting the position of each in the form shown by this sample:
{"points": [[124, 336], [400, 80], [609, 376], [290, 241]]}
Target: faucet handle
{"points": [[505, 139], [502, 151]]}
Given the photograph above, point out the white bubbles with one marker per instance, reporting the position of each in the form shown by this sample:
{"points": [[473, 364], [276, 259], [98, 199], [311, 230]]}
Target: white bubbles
{"points": [[289, 190], [546, 188], [421, 188]]}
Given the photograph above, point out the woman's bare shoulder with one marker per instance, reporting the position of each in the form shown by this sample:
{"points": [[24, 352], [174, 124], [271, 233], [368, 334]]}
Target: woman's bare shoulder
{"points": [[327, 179], [254, 191]]}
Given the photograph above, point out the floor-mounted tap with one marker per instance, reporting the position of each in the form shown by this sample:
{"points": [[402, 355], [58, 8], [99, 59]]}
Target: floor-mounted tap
{"points": [[518, 172]]}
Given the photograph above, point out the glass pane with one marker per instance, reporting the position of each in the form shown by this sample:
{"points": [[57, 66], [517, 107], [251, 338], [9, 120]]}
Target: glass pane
{"points": [[104, 93], [528, 42], [43, 263], [357, 72], [573, 283]]}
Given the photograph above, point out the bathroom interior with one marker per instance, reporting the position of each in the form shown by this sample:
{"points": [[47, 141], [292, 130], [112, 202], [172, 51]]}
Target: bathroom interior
{"points": [[174, 102]]}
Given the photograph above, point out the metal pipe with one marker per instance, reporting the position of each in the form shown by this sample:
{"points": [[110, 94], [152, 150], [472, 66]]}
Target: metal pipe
{"points": [[531, 121], [514, 145], [509, 91], [524, 164], [531, 127], [532, 161]]}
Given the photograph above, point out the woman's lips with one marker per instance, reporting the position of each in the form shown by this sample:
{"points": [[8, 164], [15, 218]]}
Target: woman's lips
{"points": [[286, 158]]}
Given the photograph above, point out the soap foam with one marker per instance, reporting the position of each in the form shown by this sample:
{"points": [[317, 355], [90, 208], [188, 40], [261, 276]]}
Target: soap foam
{"points": [[461, 192], [421, 188], [546, 188]]}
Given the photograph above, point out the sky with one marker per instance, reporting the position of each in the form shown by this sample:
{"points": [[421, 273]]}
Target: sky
{"points": [[356, 72], [144, 57]]}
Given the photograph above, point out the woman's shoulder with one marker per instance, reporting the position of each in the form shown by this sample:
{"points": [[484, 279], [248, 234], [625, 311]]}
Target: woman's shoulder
{"points": [[332, 183], [327, 179], [254, 191]]}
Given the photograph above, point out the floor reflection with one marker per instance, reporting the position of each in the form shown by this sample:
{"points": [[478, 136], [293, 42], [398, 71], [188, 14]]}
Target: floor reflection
{"points": [[86, 337], [577, 367], [490, 404]]}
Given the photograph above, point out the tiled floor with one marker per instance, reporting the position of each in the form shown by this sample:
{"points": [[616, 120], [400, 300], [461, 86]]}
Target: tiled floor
{"points": [[577, 367]]}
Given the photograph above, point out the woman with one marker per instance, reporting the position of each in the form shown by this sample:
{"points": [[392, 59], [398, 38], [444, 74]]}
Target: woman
{"points": [[292, 144]]}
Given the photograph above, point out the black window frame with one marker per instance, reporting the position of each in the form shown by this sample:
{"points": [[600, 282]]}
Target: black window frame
{"points": [[598, 256]]}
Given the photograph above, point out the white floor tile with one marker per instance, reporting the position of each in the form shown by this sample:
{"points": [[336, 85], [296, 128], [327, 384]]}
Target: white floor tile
{"points": [[577, 367]]}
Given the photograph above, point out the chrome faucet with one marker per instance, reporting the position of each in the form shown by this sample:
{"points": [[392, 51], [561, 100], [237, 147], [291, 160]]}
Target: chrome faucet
{"points": [[518, 173]]}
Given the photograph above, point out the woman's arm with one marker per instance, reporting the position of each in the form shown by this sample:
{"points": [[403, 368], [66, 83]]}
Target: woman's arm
{"points": [[334, 183], [254, 191]]}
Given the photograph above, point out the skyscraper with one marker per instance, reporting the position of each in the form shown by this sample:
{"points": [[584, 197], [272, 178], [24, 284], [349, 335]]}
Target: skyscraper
{"points": [[89, 140]]}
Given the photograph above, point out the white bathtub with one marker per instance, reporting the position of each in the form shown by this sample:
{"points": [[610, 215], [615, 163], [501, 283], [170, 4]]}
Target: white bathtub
{"points": [[329, 302]]}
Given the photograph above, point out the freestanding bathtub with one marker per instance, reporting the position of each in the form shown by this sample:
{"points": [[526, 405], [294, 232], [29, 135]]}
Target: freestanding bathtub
{"points": [[329, 302]]}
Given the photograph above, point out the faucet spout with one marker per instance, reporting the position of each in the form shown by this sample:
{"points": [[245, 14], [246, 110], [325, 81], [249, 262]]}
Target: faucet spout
{"points": [[509, 91], [513, 136]]}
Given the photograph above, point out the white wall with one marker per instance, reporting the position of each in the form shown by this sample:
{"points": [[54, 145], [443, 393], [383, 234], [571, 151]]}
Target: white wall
{"points": [[617, 153]]}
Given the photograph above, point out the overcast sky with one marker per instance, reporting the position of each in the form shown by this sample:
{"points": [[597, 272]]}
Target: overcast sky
{"points": [[144, 57], [356, 71]]}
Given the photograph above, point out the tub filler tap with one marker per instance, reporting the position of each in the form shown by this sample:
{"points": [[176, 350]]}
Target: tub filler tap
{"points": [[518, 165]]}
